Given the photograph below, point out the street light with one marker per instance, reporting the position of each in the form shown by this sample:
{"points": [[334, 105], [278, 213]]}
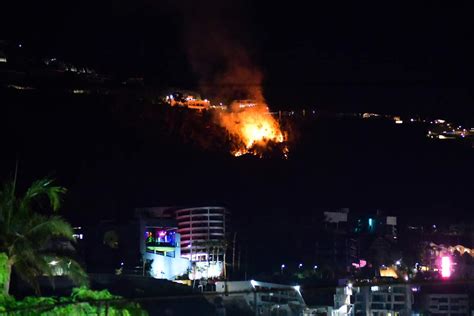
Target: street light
{"points": [[300, 266], [315, 267], [282, 267]]}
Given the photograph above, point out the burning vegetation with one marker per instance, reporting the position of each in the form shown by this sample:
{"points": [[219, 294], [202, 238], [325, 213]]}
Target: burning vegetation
{"points": [[248, 121], [228, 75], [253, 129], [245, 127], [250, 126]]}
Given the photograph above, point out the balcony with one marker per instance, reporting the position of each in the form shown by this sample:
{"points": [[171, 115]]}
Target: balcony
{"points": [[160, 246]]}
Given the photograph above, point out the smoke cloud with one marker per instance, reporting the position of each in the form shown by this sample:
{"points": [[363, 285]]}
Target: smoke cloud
{"points": [[216, 40]]}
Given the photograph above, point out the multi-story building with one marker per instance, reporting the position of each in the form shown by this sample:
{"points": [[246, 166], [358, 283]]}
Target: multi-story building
{"points": [[198, 225], [262, 298], [444, 298], [446, 304], [377, 224], [335, 246], [343, 301], [160, 244], [383, 300], [203, 238], [202, 232], [145, 245], [336, 250]]}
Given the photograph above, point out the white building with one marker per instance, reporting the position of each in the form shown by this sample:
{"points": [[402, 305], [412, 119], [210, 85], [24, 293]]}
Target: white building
{"points": [[167, 261], [201, 239], [342, 301], [161, 243], [203, 232], [263, 298], [383, 300], [375, 300]]}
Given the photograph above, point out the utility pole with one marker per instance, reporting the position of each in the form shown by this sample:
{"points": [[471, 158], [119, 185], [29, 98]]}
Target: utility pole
{"points": [[246, 261], [238, 260], [233, 253]]}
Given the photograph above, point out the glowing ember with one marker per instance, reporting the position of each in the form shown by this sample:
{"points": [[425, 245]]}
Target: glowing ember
{"points": [[254, 127]]}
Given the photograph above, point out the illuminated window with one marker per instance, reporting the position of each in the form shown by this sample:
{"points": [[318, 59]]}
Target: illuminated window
{"points": [[160, 241]]}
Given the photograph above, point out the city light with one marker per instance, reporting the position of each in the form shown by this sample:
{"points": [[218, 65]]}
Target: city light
{"points": [[445, 267]]}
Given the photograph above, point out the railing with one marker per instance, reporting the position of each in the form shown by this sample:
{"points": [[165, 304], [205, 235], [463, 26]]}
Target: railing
{"points": [[160, 244]]}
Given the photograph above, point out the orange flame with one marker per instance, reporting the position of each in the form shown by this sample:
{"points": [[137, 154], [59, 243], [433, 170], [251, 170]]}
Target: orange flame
{"points": [[254, 127]]}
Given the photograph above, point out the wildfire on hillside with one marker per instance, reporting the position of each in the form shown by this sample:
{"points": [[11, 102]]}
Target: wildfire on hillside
{"points": [[227, 73], [254, 129]]}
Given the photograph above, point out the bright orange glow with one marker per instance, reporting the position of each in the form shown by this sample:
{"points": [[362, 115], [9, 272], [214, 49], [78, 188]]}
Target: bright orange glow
{"points": [[253, 126], [388, 272]]}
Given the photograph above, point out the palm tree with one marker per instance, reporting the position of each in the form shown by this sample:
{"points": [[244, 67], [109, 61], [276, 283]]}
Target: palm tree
{"points": [[26, 235]]}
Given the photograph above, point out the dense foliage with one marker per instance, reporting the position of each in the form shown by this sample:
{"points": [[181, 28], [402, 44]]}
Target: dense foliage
{"points": [[82, 301], [4, 273], [28, 236]]}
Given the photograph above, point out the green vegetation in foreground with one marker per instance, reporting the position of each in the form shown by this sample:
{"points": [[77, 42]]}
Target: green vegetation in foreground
{"points": [[82, 301], [26, 234]]}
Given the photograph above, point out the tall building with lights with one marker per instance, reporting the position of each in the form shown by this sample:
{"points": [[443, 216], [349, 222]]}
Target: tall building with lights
{"points": [[203, 238], [199, 225], [202, 235]]}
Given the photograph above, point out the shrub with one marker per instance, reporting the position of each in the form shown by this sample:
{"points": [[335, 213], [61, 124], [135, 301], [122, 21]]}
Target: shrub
{"points": [[82, 301]]}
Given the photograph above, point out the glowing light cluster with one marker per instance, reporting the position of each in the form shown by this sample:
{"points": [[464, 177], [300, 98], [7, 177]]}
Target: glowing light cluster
{"points": [[257, 128], [445, 267]]}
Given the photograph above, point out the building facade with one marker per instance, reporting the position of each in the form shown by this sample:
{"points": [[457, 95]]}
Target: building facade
{"points": [[374, 300], [446, 304], [202, 233], [383, 300], [262, 298], [203, 239], [335, 246], [160, 245]]}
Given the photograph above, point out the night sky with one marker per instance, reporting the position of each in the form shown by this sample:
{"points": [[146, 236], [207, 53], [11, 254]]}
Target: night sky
{"points": [[411, 59], [387, 57]]}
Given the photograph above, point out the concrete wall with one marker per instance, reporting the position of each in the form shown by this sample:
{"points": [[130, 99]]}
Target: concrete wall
{"points": [[167, 267]]}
